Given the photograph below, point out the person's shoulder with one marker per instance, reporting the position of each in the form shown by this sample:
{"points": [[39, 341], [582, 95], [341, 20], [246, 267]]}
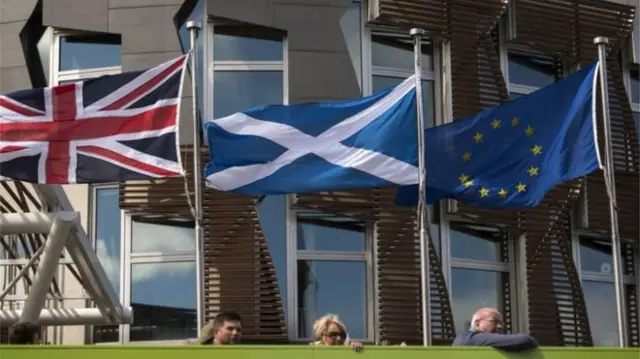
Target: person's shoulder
{"points": [[463, 338]]}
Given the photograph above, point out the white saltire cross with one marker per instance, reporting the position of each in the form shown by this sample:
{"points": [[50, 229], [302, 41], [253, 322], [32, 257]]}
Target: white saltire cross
{"points": [[326, 145]]}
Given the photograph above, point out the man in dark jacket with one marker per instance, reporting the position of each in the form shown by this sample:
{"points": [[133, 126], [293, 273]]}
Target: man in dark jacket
{"points": [[487, 330]]}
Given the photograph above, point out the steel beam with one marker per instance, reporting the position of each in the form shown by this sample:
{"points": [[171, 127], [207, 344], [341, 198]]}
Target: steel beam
{"points": [[33, 222], [67, 316]]}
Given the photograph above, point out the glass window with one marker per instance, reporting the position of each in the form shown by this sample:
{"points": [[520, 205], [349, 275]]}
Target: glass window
{"points": [[390, 52], [242, 48], [337, 287], [472, 289], [636, 120], [273, 221], [595, 256], [635, 86], [197, 14], [467, 244], [158, 238], [163, 298], [240, 90], [316, 232], [107, 233], [530, 70], [601, 308], [351, 26], [87, 52], [383, 82]]}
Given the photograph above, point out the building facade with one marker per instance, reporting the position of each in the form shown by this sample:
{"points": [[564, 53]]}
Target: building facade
{"points": [[282, 261]]}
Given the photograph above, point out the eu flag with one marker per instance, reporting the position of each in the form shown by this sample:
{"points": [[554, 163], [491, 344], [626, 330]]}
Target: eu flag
{"points": [[510, 156]]}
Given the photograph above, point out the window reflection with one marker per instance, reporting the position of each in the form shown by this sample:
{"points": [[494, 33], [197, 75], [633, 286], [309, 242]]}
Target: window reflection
{"points": [[273, 221], [337, 287], [636, 120], [531, 70], [323, 232], [240, 90], [86, 52], [388, 51], [244, 48], [474, 244], [158, 238], [380, 83], [351, 26], [108, 250], [595, 256], [472, 289], [635, 86], [163, 298], [601, 308]]}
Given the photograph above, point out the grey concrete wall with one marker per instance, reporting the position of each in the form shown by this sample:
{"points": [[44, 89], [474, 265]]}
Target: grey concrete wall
{"points": [[13, 69]]}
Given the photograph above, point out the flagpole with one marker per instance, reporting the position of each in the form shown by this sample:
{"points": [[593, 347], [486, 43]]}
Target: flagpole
{"points": [[601, 43], [422, 213], [194, 27]]}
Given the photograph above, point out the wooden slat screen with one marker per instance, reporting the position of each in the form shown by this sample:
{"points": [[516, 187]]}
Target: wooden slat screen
{"points": [[239, 274]]}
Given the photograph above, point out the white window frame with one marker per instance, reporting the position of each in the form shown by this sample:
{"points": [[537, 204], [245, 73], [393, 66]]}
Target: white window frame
{"points": [[294, 254], [56, 76]]}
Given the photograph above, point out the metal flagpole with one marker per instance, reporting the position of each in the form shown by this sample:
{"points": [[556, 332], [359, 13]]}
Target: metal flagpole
{"points": [[423, 214], [602, 42], [194, 27]]}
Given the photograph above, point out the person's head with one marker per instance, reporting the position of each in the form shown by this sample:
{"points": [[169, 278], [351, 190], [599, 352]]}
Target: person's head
{"points": [[487, 320], [24, 333], [329, 330], [227, 328]]}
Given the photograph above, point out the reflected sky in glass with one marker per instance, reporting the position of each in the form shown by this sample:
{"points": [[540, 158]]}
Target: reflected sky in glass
{"points": [[530, 71], [467, 246], [147, 237], [327, 236], [596, 257], [601, 308], [236, 91], [381, 83], [635, 87], [336, 287], [107, 232], [472, 289], [238, 48], [164, 299], [402, 58], [76, 55], [352, 32], [272, 215]]}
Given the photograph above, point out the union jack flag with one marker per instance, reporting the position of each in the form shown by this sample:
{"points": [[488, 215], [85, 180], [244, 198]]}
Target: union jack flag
{"points": [[108, 129]]}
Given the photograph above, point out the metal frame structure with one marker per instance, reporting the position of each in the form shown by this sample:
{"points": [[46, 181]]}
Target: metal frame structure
{"points": [[65, 232]]}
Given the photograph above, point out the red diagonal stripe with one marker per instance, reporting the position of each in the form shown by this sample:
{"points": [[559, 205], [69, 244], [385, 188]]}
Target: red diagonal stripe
{"points": [[4, 102], [90, 128], [145, 87], [7, 149], [116, 157]]}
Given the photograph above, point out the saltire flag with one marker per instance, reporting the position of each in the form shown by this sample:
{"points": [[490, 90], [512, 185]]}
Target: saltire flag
{"points": [[312, 147], [512, 155], [108, 129]]}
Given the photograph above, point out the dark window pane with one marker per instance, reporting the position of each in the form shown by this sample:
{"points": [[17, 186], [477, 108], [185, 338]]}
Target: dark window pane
{"points": [[472, 289], [601, 308], [476, 245], [147, 237], [320, 232], [273, 221], [163, 297], [636, 120], [351, 27], [635, 86], [235, 91], [531, 71], [240, 48], [383, 82], [332, 287], [79, 53], [389, 52], [595, 256]]}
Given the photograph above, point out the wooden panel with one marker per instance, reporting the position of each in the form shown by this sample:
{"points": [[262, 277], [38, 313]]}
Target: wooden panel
{"points": [[239, 274]]}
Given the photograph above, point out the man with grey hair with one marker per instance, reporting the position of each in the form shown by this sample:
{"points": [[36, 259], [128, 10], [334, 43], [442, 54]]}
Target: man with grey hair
{"points": [[487, 330]]}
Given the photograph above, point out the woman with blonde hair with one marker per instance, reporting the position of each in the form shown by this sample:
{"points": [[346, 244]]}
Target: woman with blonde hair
{"points": [[329, 330]]}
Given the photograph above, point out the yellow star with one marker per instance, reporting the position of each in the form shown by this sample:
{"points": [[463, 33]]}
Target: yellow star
{"points": [[484, 192], [521, 187], [529, 131], [537, 150], [533, 171], [515, 122], [496, 123], [468, 184], [478, 137], [466, 156], [463, 178], [503, 193]]}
